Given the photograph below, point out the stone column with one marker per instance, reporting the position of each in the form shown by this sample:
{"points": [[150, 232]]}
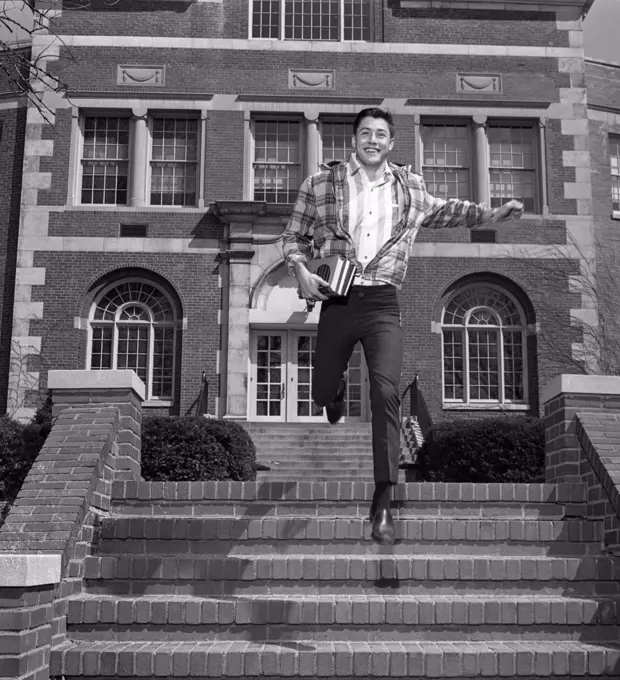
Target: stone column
{"points": [[563, 398], [417, 136], [121, 389], [239, 217], [138, 156], [542, 160], [481, 157], [312, 144]]}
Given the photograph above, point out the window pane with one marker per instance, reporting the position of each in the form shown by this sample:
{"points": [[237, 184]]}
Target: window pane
{"points": [[163, 359], [614, 160], [513, 366], [483, 365], [174, 161], [104, 160], [265, 18], [356, 20], [101, 352], [445, 163], [336, 141], [453, 365], [133, 349], [311, 19], [276, 161], [512, 153]]}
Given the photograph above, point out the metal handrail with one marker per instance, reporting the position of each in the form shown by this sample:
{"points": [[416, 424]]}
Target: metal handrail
{"points": [[417, 405]]}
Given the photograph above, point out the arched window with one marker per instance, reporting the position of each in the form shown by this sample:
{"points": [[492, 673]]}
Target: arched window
{"points": [[484, 357], [134, 325]]}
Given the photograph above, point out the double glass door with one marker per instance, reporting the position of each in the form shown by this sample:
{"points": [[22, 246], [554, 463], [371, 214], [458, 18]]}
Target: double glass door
{"points": [[281, 379]]}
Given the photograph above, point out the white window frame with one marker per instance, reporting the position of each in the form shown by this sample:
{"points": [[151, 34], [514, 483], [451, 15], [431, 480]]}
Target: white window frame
{"points": [[175, 324], [281, 31], [101, 113], [149, 156], [452, 122], [538, 160], [329, 120], [252, 156], [467, 402], [615, 175]]}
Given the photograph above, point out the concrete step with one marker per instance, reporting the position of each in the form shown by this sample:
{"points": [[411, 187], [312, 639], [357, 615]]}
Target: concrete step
{"points": [[355, 574], [286, 659], [345, 535], [354, 618], [363, 475]]}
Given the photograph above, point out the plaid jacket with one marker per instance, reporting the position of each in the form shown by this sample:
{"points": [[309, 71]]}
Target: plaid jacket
{"points": [[318, 226]]}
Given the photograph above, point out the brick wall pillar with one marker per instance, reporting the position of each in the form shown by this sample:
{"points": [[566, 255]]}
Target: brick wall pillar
{"points": [[122, 389], [563, 398]]}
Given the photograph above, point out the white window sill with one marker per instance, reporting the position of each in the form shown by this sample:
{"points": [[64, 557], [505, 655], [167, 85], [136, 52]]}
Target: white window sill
{"points": [[485, 407], [156, 403], [131, 208], [615, 215]]}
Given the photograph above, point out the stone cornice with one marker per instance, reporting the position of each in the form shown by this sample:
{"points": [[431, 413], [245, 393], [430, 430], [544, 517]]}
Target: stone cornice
{"points": [[490, 101], [314, 98], [507, 5]]}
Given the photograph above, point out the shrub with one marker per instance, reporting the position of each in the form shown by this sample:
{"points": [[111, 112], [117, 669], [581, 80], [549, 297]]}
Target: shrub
{"points": [[485, 450], [194, 448]]}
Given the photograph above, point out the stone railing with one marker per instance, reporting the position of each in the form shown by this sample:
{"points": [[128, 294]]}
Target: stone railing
{"points": [[582, 426], [95, 440]]}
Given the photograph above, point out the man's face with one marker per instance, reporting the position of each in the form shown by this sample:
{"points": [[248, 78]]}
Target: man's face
{"points": [[372, 141]]}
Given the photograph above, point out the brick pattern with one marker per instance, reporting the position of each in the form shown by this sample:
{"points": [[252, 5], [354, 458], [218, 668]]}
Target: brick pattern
{"points": [[373, 610], [599, 437], [342, 659], [562, 493]]}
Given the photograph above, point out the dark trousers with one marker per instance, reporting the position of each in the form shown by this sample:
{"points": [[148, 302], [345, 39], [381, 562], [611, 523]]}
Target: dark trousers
{"points": [[371, 316]]}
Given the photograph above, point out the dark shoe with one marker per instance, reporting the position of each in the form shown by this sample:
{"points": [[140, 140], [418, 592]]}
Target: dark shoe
{"points": [[383, 531], [335, 409]]}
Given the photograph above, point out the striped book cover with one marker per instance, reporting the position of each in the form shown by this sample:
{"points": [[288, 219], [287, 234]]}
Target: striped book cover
{"points": [[337, 271]]}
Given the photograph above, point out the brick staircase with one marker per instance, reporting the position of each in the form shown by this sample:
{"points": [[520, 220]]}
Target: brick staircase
{"points": [[323, 452], [281, 580]]}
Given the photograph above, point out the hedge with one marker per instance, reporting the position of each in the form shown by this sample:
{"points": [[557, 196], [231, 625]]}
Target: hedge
{"points": [[500, 449], [194, 448], [19, 446]]}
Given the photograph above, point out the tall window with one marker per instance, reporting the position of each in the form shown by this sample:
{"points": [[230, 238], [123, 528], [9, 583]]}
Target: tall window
{"points": [[311, 19], [277, 163], [483, 348], [336, 140], [446, 159], [133, 326], [174, 160], [614, 159], [512, 155], [105, 158]]}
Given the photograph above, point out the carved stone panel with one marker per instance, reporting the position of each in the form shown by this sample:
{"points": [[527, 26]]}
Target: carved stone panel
{"points": [[140, 75], [489, 83], [310, 80]]}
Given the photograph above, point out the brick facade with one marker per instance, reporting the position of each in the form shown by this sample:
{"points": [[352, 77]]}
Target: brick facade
{"points": [[218, 261]]}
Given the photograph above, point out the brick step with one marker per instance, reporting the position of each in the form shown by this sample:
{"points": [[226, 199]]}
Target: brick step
{"points": [[183, 510], [336, 490], [446, 659], [327, 535], [304, 466], [437, 574], [324, 618]]}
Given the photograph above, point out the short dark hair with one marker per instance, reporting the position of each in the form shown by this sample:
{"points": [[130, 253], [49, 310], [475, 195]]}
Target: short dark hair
{"points": [[374, 112]]}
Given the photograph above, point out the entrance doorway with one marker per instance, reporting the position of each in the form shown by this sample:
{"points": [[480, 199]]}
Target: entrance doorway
{"points": [[281, 371]]}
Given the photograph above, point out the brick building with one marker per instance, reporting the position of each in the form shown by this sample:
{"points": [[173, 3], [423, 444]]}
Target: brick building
{"points": [[151, 209]]}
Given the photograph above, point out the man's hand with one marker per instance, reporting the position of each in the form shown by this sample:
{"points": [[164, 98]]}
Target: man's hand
{"points": [[509, 211], [309, 283]]}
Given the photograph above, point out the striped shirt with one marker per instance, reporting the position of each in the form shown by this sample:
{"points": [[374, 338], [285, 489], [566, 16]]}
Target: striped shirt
{"points": [[320, 224], [373, 208]]}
